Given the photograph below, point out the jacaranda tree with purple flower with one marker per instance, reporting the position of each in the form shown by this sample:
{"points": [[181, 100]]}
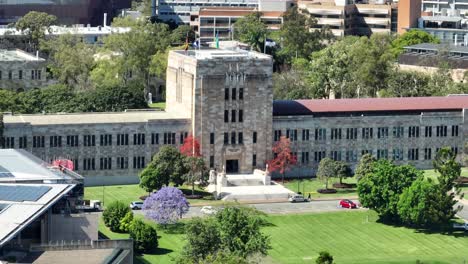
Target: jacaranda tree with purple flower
{"points": [[166, 206]]}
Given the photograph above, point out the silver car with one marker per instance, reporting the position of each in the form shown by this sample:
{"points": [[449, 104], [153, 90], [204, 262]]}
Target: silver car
{"points": [[298, 198], [136, 205]]}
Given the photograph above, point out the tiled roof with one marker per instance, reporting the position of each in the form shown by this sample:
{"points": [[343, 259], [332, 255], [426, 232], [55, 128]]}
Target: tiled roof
{"points": [[309, 107]]}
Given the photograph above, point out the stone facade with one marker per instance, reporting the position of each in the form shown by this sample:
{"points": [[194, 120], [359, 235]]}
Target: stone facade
{"points": [[21, 71], [225, 99]]}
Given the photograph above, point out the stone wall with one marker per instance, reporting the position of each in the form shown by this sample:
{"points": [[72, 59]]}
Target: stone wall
{"points": [[26, 82]]}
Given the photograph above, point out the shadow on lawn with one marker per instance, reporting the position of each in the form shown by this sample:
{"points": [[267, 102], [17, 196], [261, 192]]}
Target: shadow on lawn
{"points": [[139, 258], [447, 229], [177, 228]]}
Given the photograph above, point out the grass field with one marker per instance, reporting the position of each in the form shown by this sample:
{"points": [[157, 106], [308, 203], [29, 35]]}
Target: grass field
{"points": [[350, 236], [312, 185], [160, 105]]}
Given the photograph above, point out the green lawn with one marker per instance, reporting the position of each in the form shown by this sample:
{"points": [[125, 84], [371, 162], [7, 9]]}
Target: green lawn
{"points": [[312, 185], [160, 105], [356, 237]]}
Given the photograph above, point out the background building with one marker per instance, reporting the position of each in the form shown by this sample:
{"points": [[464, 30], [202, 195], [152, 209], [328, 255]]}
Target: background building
{"points": [[409, 11]]}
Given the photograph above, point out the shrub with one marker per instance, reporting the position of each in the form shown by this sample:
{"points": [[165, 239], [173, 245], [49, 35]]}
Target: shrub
{"points": [[145, 237], [126, 222], [113, 214], [324, 258]]}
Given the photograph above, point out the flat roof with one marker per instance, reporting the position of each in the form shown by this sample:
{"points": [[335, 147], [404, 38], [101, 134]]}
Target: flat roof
{"points": [[438, 47], [442, 18], [77, 30], [235, 12], [17, 55], [310, 107], [90, 118], [17, 214], [18, 165], [211, 54]]}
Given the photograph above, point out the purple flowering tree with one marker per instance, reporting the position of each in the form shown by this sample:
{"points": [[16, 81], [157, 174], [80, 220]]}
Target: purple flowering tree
{"points": [[166, 206]]}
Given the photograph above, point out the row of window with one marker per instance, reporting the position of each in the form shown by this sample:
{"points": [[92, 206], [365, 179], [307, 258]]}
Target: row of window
{"points": [[109, 163], [234, 114], [369, 133], [352, 155], [35, 75], [168, 138], [233, 94]]}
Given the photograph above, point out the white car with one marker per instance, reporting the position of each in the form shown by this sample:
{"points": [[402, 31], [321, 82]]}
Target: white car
{"points": [[298, 198], [208, 210], [137, 205], [461, 226]]}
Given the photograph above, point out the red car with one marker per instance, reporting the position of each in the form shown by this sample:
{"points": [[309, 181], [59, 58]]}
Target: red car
{"points": [[348, 204]]}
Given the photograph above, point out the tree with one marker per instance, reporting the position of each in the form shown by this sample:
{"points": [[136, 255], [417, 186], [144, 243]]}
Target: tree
{"points": [[113, 215], [167, 165], [380, 189], [181, 34], [342, 170], [284, 159], [448, 168], [166, 206], [324, 258], [126, 222], [240, 233], [34, 25], [289, 85], [412, 37], [365, 166], [190, 147], [113, 99], [193, 160], [203, 239], [251, 30], [145, 237], [327, 169]]}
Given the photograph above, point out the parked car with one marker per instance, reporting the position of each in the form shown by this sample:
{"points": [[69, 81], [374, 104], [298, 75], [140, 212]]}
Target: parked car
{"points": [[137, 205], [298, 198], [345, 203], [461, 226], [209, 210]]}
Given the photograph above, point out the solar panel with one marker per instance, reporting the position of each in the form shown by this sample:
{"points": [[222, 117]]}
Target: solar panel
{"points": [[4, 173], [19, 193], [3, 206]]}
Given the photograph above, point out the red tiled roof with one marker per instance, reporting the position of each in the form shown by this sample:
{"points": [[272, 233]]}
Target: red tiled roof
{"points": [[309, 107]]}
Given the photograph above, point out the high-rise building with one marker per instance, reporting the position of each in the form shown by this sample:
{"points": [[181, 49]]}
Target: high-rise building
{"points": [[409, 11]]}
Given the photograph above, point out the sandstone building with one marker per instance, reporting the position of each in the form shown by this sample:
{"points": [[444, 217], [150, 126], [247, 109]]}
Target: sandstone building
{"points": [[224, 98], [21, 71]]}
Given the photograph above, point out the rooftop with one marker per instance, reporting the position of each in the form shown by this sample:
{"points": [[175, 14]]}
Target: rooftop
{"points": [[212, 54], [310, 107], [438, 47], [90, 118], [77, 30], [235, 12], [442, 18], [17, 55]]}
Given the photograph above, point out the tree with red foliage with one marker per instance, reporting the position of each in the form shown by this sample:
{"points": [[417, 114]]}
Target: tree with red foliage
{"points": [[190, 150], [284, 159]]}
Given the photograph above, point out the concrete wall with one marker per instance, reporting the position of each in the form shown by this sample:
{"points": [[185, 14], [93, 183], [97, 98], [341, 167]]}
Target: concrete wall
{"points": [[73, 227]]}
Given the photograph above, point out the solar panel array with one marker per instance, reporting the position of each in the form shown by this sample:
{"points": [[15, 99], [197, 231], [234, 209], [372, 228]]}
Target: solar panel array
{"points": [[3, 206], [4, 173], [19, 193]]}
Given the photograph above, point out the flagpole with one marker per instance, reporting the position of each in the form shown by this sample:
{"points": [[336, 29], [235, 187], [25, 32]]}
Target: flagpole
{"points": [[264, 45]]}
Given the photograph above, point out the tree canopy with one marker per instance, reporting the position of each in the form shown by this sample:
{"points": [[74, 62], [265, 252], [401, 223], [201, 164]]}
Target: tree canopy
{"points": [[411, 37], [35, 24], [284, 159], [166, 206], [251, 30]]}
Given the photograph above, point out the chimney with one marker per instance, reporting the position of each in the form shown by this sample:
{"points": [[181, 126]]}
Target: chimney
{"points": [[105, 20], [37, 55]]}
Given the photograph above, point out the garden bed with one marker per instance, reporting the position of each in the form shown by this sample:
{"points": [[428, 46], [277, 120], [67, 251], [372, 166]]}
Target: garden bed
{"points": [[344, 185], [327, 191]]}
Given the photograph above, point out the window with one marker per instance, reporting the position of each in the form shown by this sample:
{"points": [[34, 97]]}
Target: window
{"points": [[38, 141], [277, 135], [319, 155], [397, 154], [23, 142], [233, 116], [441, 131], [241, 116], [55, 141], [291, 134], [122, 163], [233, 138], [366, 151], [226, 94], [427, 153], [428, 131], [454, 150], [351, 156], [89, 140], [169, 138], [351, 133], [335, 155], [305, 157], [413, 154], [241, 93], [139, 139], [320, 134], [10, 75], [105, 163], [8, 142], [20, 74], [122, 139], [254, 137], [226, 138], [413, 131], [305, 134], [89, 164], [212, 138], [382, 154], [454, 131], [254, 160], [211, 161], [35, 74], [233, 93], [0, 75], [336, 133], [226, 116], [75, 164], [154, 138], [382, 132], [72, 141], [138, 162], [367, 132], [398, 132], [241, 138], [106, 140]]}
